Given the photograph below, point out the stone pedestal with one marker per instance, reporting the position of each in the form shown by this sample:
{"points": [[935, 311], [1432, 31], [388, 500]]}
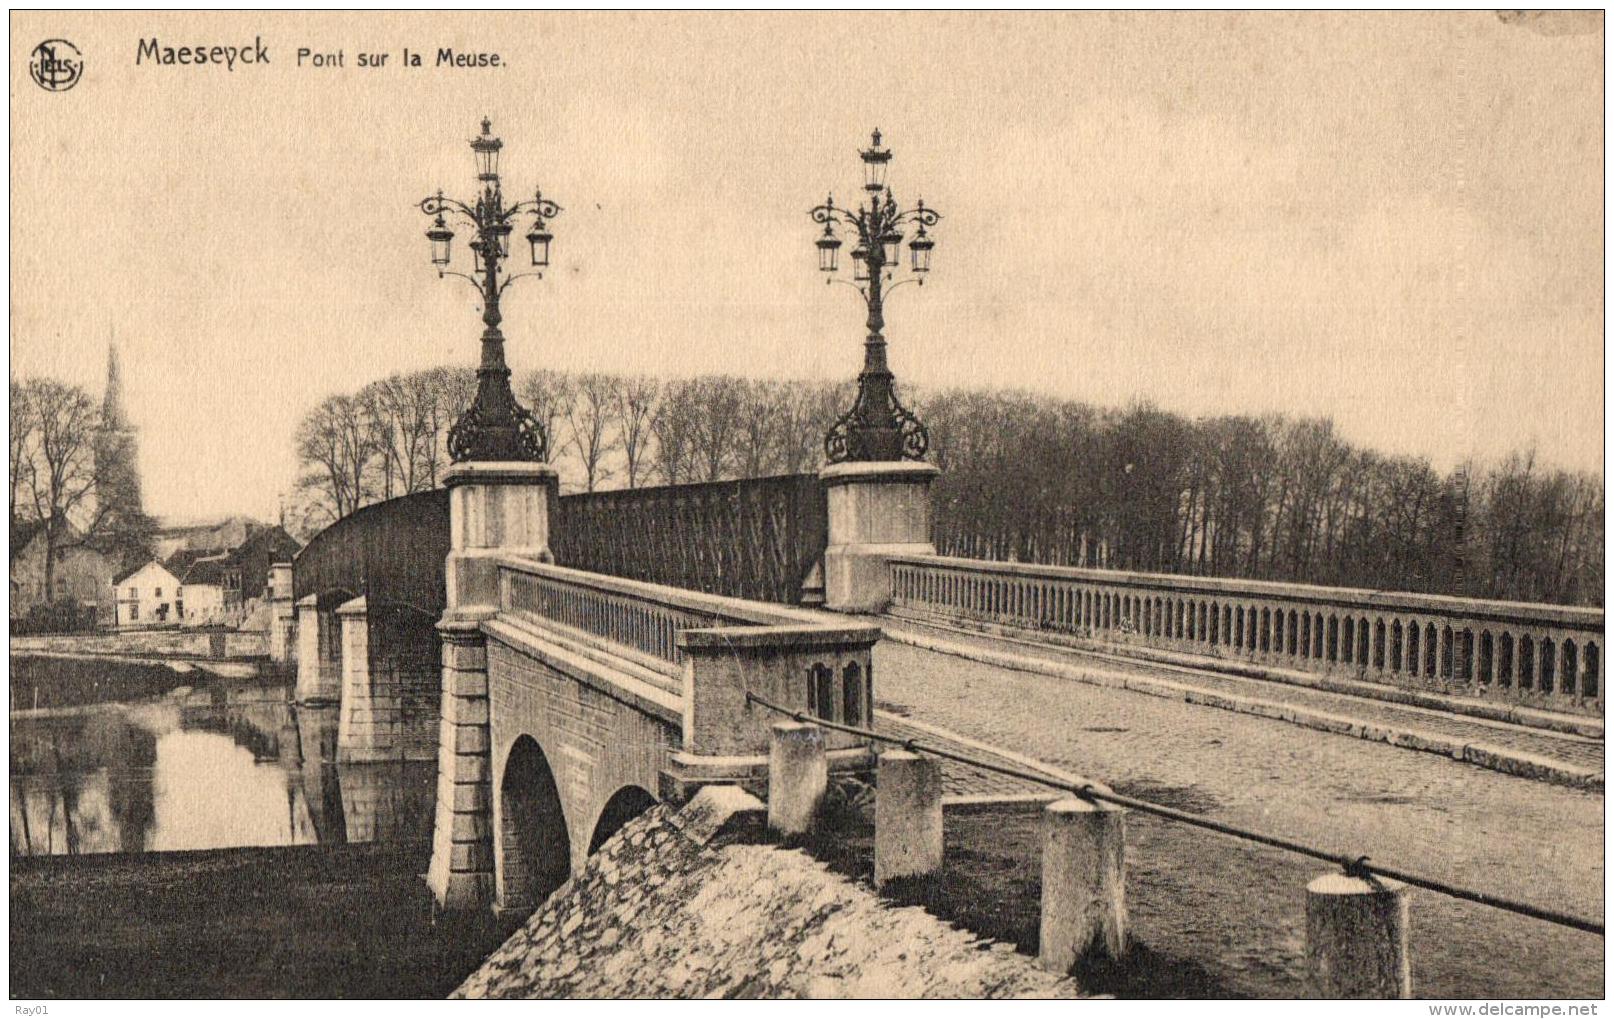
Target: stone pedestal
{"points": [[907, 817], [1356, 938], [495, 509], [1083, 883], [282, 615], [876, 510], [798, 779]]}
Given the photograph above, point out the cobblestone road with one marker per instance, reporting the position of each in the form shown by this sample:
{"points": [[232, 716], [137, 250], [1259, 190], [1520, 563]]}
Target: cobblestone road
{"points": [[1238, 909]]}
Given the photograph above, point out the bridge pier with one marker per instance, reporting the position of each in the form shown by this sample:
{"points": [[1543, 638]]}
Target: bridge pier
{"points": [[282, 615], [319, 654], [461, 871], [876, 510], [495, 510]]}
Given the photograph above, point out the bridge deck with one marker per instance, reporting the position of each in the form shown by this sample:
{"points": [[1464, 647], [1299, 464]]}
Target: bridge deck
{"points": [[1193, 894]]}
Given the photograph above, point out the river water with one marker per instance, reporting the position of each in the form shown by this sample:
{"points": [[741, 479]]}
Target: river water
{"points": [[136, 758]]}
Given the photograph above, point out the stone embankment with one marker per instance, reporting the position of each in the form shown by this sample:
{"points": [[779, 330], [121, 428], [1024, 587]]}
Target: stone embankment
{"points": [[687, 905], [173, 643]]}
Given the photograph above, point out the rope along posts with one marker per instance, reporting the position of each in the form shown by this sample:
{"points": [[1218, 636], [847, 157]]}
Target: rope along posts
{"points": [[1354, 866]]}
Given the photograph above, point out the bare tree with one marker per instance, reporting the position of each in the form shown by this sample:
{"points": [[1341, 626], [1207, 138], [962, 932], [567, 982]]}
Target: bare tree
{"points": [[61, 475], [638, 400], [335, 448], [588, 416], [23, 437]]}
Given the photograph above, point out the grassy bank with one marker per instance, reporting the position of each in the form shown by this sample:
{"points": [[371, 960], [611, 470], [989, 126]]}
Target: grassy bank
{"points": [[38, 681], [301, 921]]}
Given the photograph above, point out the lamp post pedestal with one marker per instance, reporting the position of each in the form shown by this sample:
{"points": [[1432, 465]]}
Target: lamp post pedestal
{"points": [[495, 508], [877, 509]]}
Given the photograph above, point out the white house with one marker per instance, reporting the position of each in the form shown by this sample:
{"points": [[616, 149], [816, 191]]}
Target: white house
{"points": [[150, 596], [206, 598]]}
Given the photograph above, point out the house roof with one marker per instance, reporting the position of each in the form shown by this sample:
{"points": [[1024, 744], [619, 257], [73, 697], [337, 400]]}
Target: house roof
{"points": [[207, 570], [181, 559], [149, 562]]}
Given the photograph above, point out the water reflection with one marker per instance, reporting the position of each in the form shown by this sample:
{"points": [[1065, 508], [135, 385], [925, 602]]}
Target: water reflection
{"points": [[219, 764]]}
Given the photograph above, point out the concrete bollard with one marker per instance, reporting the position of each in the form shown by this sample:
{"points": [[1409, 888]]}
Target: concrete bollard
{"points": [[907, 817], [1356, 938], [798, 778], [1083, 883]]}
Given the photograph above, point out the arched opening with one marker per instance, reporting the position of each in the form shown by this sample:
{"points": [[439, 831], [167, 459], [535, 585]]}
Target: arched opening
{"points": [[1570, 661], [624, 805], [1414, 643], [1588, 676], [1378, 644], [535, 857], [1430, 651], [1527, 663], [1348, 642], [1504, 663], [1266, 630], [1397, 645], [854, 696], [1294, 637], [1547, 662], [1487, 660]]}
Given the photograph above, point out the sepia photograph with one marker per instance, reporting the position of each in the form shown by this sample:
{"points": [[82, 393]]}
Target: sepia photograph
{"points": [[775, 505]]}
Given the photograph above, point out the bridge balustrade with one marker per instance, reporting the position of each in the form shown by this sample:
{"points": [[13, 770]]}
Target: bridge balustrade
{"points": [[707, 650], [1548, 656]]}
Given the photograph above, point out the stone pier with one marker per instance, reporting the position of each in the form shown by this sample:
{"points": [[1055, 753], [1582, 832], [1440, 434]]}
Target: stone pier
{"points": [[495, 509]]}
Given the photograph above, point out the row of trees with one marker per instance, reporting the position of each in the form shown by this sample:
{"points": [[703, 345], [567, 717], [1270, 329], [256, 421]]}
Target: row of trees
{"points": [[1029, 477], [1044, 480], [604, 431], [69, 475]]}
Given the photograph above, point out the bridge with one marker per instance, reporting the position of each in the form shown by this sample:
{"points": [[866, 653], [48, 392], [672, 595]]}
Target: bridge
{"points": [[561, 698]]}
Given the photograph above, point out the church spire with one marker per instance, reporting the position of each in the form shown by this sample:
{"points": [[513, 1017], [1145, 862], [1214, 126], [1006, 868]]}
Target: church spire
{"points": [[112, 415]]}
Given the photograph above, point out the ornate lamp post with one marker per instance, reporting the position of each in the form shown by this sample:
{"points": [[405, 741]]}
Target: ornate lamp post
{"points": [[495, 427], [878, 427]]}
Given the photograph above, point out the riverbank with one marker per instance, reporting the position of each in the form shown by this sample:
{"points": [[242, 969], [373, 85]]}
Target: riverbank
{"points": [[288, 922]]}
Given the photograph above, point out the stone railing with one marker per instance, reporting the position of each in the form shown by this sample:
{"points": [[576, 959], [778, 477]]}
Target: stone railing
{"points": [[708, 650], [1549, 656]]}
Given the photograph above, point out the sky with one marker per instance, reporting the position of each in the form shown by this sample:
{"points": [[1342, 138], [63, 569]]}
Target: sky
{"points": [[1394, 220]]}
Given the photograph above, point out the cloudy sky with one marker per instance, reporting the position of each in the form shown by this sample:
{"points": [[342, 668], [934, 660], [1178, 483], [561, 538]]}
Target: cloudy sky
{"points": [[1395, 220]]}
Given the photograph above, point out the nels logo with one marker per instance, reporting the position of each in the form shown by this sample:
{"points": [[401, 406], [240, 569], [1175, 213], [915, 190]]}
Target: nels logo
{"points": [[56, 65]]}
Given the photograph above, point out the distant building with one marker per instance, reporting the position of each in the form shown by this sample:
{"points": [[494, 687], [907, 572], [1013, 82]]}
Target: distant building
{"points": [[223, 586], [150, 596], [80, 575]]}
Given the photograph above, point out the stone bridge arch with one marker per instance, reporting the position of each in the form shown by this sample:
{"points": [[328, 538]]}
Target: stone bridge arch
{"points": [[532, 840], [624, 805]]}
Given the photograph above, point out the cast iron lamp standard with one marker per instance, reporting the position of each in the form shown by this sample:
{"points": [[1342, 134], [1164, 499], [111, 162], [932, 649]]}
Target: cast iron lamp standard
{"points": [[878, 427], [876, 483], [500, 495], [495, 427]]}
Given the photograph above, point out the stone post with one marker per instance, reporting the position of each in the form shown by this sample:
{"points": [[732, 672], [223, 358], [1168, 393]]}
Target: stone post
{"points": [[495, 509], [877, 509], [907, 817], [798, 778], [282, 615], [1083, 883], [1356, 938], [319, 675]]}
